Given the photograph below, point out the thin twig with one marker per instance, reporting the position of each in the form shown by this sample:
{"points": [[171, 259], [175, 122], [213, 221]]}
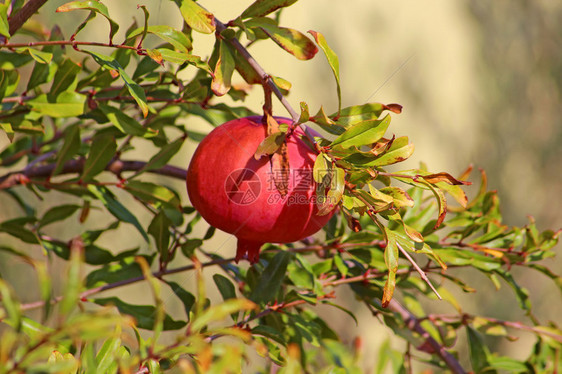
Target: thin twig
{"points": [[266, 78], [76, 166], [419, 270], [68, 42], [17, 20]]}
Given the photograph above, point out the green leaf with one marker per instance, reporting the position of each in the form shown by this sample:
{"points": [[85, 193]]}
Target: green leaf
{"points": [[116, 208], [221, 311], [507, 365], [152, 193], [391, 260], [4, 26], [225, 286], [68, 104], [271, 278], [246, 70], [126, 268], [185, 297], [159, 228], [270, 145], [163, 156], [94, 6], [478, 350], [10, 305], [16, 228], [181, 58], [327, 123], [223, 70], [332, 60], [39, 56], [145, 315], [101, 153], [292, 41], [363, 133], [400, 197], [9, 80], [196, 17], [73, 278], [105, 359], [262, 8], [394, 156], [69, 148], [168, 34], [65, 78], [320, 169], [124, 123], [135, 90], [305, 114], [58, 213], [189, 246], [366, 112]]}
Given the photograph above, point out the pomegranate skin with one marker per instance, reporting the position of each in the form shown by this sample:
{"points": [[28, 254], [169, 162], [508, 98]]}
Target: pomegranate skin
{"points": [[236, 193]]}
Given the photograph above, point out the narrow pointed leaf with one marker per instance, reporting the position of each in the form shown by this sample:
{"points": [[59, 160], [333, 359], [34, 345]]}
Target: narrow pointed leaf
{"points": [[358, 113], [393, 156], [4, 26], [68, 104], [116, 208], [101, 152], [163, 156], [271, 278], [94, 6], [332, 60], [145, 315], [391, 260], [270, 145], [363, 133], [167, 33], [223, 71], [293, 41], [262, 8], [159, 228], [196, 17], [69, 148], [135, 90], [127, 125]]}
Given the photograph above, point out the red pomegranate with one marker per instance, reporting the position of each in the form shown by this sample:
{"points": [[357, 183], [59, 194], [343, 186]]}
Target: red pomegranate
{"points": [[236, 193]]}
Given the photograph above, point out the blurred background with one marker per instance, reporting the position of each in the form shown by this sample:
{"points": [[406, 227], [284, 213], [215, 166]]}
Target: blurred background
{"points": [[480, 83]]}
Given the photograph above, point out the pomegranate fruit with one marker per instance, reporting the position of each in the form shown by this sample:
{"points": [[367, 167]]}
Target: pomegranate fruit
{"points": [[236, 193]]}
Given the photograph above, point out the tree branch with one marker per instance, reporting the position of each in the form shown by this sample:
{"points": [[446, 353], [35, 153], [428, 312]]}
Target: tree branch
{"points": [[76, 166], [414, 325], [18, 19]]}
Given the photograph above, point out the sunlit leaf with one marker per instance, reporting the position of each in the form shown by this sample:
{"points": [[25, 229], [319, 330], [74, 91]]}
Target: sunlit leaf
{"points": [[196, 17], [94, 6], [223, 71], [293, 41], [363, 133], [262, 8], [332, 60]]}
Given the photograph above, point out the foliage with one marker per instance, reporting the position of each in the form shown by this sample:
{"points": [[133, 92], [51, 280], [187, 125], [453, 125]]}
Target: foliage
{"points": [[75, 118]]}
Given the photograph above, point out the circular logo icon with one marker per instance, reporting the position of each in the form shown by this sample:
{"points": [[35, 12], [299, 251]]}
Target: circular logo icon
{"points": [[242, 186]]}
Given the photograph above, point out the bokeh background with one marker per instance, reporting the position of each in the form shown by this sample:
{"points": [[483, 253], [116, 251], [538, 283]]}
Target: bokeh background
{"points": [[480, 82]]}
